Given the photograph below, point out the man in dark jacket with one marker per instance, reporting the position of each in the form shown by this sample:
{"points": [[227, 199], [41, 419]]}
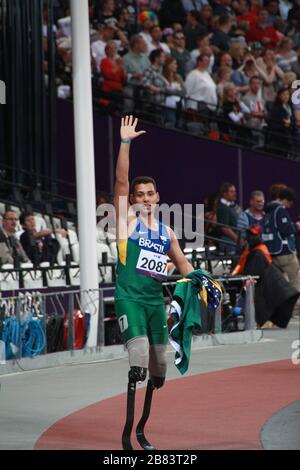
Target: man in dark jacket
{"points": [[279, 237]]}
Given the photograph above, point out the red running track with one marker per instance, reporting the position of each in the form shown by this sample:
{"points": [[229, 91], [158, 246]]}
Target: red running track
{"points": [[216, 410]]}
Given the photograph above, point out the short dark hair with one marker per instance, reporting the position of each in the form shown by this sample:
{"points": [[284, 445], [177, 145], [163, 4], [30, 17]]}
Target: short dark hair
{"points": [[275, 189], [142, 180], [288, 194], [155, 54], [224, 188], [24, 216]]}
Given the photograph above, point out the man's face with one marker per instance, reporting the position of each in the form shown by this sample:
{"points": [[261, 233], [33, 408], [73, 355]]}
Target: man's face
{"points": [[156, 34], [257, 203], [287, 204], [146, 197], [29, 223], [230, 195], [10, 222], [255, 85]]}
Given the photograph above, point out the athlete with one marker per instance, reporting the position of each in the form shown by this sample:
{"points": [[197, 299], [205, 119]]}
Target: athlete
{"points": [[144, 244]]}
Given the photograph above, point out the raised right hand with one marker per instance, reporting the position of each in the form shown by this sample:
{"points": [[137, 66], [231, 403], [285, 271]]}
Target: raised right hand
{"points": [[128, 126]]}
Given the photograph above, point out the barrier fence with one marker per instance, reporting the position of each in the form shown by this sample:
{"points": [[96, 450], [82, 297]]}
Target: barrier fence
{"points": [[34, 323]]}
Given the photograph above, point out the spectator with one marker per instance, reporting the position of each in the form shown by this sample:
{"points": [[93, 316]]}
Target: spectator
{"points": [[234, 111], [220, 40], [284, 8], [263, 32], [227, 214], [206, 14], [171, 11], [175, 90], [275, 190], [223, 78], [254, 215], [273, 74], [153, 79], [286, 56], [281, 123], [11, 251], [280, 234], [253, 99], [241, 77], [180, 53], [296, 64], [190, 5], [147, 20], [155, 42], [193, 29], [106, 34], [39, 246], [112, 70], [106, 14], [244, 13], [274, 296], [200, 86], [223, 8], [237, 52], [124, 25], [135, 63], [202, 48], [273, 10]]}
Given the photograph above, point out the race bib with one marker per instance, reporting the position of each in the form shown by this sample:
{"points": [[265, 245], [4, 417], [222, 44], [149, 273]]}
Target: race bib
{"points": [[152, 265]]}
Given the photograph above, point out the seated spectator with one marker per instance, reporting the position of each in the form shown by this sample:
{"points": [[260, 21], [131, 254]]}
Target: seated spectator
{"points": [[286, 56], [106, 13], [281, 123], [211, 228], [273, 10], [200, 86], [296, 64], [275, 297], [254, 215], [11, 250], [263, 32], [180, 53], [39, 246], [112, 71], [175, 90]]}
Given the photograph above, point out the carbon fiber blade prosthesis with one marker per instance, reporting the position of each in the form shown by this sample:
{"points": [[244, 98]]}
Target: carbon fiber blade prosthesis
{"points": [[130, 416], [144, 443]]}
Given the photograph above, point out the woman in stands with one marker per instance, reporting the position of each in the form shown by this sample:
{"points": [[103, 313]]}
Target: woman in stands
{"points": [[112, 71], [175, 90]]}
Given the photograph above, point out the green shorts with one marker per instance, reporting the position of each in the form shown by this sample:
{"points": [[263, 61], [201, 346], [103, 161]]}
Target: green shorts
{"points": [[137, 319]]}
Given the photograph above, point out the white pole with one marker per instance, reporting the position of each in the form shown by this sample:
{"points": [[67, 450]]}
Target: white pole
{"points": [[85, 168]]}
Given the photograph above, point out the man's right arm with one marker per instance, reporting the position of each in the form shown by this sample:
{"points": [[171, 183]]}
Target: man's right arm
{"points": [[121, 192]]}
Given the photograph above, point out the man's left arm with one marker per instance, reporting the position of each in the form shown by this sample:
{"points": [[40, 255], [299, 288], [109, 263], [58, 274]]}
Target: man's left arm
{"points": [[177, 257]]}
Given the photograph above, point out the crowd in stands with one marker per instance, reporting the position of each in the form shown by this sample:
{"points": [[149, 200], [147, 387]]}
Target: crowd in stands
{"points": [[26, 237], [222, 65]]}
